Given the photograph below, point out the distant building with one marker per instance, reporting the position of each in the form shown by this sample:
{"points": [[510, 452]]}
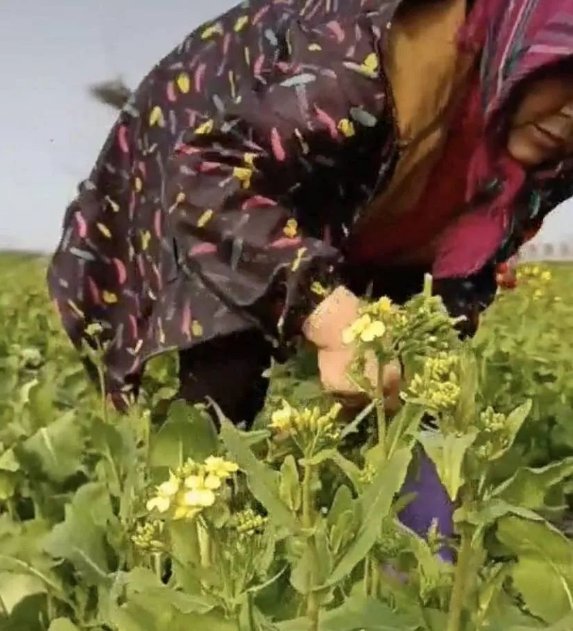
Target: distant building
{"points": [[538, 250]]}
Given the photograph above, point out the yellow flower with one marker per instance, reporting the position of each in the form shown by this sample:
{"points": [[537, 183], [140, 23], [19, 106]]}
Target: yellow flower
{"points": [[373, 331], [356, 328], [220, 467], [158, 503], [198, 498], [281, 419], [166, 491], [193, 482], [213, 482], [185, 512], [384, 305], [545, 276]]}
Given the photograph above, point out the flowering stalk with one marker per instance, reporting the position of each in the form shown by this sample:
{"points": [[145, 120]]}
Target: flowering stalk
{"points": [[312, 603], [463, 571]]}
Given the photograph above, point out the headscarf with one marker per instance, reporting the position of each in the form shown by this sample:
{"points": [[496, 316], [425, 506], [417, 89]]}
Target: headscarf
{"points": [[517, 38]]}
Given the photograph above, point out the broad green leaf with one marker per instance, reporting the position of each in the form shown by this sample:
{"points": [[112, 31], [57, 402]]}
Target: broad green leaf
{"points": [[404, 426], [342, 503], [62, 624], [447, 452], [262, 480], [56, 450], [188, 433], [350, 470], [485, 514], [289, 486], [368, 614], [543, 573], [314, 565], [528, 488], [565, 624], [15, 587], [8, 461], [514, 423], [376, 502], [81, 537]]}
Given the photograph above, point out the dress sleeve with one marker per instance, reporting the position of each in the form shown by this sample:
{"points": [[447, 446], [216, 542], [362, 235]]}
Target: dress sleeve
{"points": [[260, 196]]}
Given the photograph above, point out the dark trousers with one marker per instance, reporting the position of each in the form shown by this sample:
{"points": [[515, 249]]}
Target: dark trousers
{"points": [[229, 371]]}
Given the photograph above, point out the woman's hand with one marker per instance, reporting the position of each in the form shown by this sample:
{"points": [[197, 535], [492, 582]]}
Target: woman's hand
{"points": [[324, 328]]}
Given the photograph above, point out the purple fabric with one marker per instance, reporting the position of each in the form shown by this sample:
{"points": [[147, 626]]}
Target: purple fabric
{"points": [[431, 503]]}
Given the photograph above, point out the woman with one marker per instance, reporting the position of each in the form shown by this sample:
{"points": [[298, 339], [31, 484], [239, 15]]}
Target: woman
{"points": [[297, 144]]}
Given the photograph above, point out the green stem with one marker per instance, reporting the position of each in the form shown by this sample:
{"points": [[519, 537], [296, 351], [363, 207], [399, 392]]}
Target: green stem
{"points": [[380, 410], [366, 579], [461, 581], [157, 566], [374, 578], [104, 410], [312, 602]]}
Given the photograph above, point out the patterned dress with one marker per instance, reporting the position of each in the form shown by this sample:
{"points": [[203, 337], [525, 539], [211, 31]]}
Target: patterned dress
{"points": [[233, 178]]}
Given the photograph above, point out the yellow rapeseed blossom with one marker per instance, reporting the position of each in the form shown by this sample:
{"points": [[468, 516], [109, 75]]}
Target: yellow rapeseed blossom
{"points": [[301, 424], [194, 487], [364, 329], [166, 492], [220, 467], [437, 385], [248, 523]]}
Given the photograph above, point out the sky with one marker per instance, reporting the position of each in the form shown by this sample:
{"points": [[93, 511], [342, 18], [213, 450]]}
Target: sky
{"points": [[51, 129]]}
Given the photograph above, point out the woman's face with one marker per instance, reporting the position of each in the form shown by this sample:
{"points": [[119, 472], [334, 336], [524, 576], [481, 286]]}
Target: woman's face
{"points": [[541, 129]]}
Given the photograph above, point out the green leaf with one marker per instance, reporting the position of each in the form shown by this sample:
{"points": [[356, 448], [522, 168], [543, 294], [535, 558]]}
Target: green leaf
{"points": [[447, 452], [466, 410], [404, 426], [487, 513], [290, 490], [342, 503], [367, 614], [81, 537], [188, 433], [56, 450], [347, 467], [262, 480], [315, 565], [514, 423], [529, 487], [9, 462], [543, 573], [62, 624], [15, 587], [376, 503]]}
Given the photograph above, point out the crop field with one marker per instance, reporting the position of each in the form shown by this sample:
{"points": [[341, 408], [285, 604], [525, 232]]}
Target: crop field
{"points": [[156, 520]]}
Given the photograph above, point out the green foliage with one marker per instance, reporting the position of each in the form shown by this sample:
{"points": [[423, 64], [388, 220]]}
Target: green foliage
{"points": [[153, 520]]}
